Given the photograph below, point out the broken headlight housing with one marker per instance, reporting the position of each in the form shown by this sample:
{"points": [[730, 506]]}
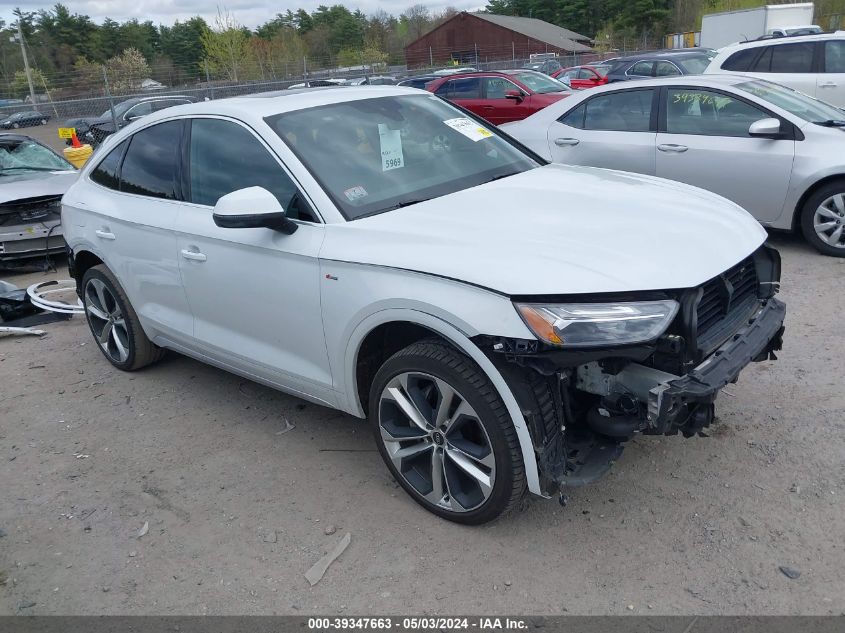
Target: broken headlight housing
{"points": [[598, 324]]}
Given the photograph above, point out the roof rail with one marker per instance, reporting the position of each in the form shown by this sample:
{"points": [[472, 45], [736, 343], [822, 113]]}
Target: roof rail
{"points": [[778, 36]]}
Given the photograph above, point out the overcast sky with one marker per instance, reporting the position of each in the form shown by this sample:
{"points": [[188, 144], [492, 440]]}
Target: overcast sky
{"points": [[248, 12]]}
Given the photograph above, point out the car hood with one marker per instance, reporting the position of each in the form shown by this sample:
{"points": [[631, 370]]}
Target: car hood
{"points": [[558, 230], [36, 184]]}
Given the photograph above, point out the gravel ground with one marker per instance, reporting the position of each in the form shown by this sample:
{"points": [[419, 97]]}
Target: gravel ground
{"points": [[238, 509]]}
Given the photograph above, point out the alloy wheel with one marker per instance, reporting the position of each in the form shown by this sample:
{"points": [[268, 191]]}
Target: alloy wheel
{"points": [[436, 441], [829, 221], [107, 321]]}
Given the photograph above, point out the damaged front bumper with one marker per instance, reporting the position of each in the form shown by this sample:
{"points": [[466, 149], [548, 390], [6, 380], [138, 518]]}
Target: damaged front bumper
{"points": [[756, 341], [684, 403]]}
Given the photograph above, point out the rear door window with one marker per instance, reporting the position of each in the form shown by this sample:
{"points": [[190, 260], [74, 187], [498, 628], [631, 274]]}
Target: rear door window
{"points": [[666, 69], [151, 165], [641, 69], [787, 58], [624, 111], [793, 58], [834, 56], [466, 88]]}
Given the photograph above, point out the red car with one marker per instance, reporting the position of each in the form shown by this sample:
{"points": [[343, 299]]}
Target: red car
{"points": [[501, 96], [583, 77]]}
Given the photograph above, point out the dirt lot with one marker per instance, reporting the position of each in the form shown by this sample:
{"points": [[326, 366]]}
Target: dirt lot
{"points": [[238, 510]]}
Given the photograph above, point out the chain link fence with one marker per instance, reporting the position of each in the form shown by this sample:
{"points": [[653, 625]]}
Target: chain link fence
{"points": [[80, 96]]}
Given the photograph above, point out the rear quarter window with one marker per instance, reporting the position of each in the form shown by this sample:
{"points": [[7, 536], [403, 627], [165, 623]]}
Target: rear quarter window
{"points": [[741, 60], [107, 172]]}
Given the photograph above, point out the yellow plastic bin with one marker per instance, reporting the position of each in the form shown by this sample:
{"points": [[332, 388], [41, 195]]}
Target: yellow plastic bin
{"points": [[78, 155]]}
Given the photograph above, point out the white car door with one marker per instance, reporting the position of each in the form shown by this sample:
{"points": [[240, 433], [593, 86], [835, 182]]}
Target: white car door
{"points": [[254, 292], [831, 82], [616, 130], [136, 194], [705, 142]]}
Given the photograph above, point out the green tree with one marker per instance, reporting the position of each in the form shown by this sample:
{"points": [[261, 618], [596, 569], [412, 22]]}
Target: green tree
{"points": [[126, 71], [226, 50], [20, 85]]}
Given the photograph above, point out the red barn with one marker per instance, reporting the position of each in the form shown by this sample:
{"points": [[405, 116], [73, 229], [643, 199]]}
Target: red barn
{"points": [[468, 37]]}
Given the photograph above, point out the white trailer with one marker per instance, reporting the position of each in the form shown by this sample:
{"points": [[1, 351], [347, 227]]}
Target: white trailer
{"points": [[729, 27]]}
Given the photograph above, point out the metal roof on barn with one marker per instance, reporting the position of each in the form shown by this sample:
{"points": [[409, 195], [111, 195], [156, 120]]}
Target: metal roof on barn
{"points": [[540, 30]]}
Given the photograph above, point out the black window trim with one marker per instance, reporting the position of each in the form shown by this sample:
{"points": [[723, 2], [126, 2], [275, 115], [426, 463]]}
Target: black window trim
{"points": [[652, 120], [186, 166], [792, 133]]}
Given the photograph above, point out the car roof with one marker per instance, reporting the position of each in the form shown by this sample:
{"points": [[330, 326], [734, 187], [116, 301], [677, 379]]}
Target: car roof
{"points": [[264, 104], [663, 54], [790, 39], [698, 81]]}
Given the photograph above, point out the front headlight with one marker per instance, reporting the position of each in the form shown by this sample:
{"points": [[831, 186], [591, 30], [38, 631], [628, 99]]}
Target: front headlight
{"points": [[597, 324]]}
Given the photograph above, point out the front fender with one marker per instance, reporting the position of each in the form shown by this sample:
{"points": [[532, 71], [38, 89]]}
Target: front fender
{"points": [[461, 341]]}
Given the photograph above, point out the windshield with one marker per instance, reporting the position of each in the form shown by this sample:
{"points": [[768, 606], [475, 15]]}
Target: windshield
{"points": [[27, 155], [697, 64], [375, 155], [540, 83], [792, 101]]}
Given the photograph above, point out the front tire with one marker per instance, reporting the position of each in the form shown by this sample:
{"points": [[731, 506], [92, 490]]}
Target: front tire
{"points": [[823, 219], [445, 434], [114, 323]]}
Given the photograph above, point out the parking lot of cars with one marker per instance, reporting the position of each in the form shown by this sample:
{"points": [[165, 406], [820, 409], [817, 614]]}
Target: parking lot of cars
{"points": [[498, 354]]}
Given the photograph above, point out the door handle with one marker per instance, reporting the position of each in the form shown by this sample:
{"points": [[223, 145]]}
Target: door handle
{"points": [[672, 148], [566, 142], [104, 235], [194, 256], [828, 84], [487, 107]]}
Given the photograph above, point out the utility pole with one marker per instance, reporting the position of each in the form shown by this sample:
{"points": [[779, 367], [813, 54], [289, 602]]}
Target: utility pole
{"points": [[26, 64]]}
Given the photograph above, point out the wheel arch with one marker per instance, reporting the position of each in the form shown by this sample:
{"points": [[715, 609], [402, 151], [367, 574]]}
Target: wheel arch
{"points": [[410, 325], [799, 207], [83, 260]]}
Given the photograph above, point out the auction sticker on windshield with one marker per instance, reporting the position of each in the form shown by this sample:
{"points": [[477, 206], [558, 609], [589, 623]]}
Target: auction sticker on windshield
{"points": [[469, 128], [391, 148]]}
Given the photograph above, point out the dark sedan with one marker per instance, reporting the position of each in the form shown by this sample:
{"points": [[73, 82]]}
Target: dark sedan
{"points": [[24, 119], [660, 64]]}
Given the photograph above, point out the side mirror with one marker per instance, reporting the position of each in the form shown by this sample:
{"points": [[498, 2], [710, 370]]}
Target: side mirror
{"points": [[765, 128], [252, 208], [514, 94]]}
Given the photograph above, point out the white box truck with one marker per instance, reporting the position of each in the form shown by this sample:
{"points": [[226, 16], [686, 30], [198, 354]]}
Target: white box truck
{"points": [[729, 27]]}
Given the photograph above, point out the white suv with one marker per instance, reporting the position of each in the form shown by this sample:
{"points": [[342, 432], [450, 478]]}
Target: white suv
{"points": [[813, 64], [504, 324]]}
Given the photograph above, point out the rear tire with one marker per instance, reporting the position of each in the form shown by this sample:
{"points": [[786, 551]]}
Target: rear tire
{"points": [[823, 219], [114, 323], [445, 434]]}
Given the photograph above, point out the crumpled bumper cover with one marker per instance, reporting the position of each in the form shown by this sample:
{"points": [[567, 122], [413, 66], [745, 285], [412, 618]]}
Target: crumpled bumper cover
{"points": [[669, 402]]}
